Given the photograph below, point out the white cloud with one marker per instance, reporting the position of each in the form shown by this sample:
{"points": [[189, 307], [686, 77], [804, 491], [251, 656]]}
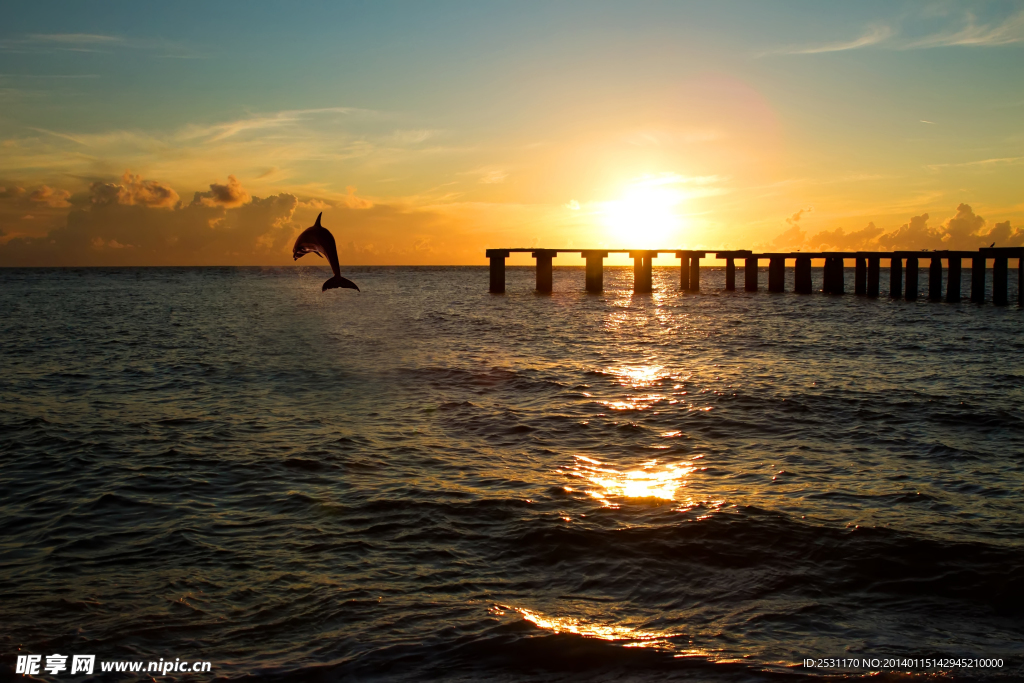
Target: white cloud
{"points": [[1009, 31], [1005, 32], [872, 36]]}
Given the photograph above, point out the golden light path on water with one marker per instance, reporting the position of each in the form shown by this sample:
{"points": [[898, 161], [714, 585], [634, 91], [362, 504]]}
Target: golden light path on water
{"points": [[650, 480], [614, 632]]}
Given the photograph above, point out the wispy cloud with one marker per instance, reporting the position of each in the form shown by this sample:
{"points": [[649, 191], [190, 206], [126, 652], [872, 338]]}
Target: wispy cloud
{"points": [[222, 131], [95, 42], [873, 36], [999, 161], [1004, 32]]}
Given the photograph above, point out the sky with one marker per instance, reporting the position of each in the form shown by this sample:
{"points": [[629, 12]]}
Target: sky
{"points": [[426, 133]]}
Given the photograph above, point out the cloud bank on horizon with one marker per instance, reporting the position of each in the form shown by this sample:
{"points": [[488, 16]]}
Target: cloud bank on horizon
{"points": [[429, 135]]}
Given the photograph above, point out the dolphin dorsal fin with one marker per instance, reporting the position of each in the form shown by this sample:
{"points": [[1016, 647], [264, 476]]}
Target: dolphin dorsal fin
{"points": [[317, 224]]}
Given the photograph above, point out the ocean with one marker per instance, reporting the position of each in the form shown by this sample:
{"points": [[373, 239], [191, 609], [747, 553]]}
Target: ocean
{"points": [[424, 481]]}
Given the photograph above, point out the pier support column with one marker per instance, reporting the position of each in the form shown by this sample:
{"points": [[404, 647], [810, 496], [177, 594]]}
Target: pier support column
{"points": [[935, 279], [642, 279], [953, 280], [826, 276], [730, 275], [750, 275], [835, 275], [694, 273], [911, 278], [895, 277], [860, 276], [497, 257], [1020, 282], [684, 270], [999, 280], [544, 270], [978, 279], [802, 273], [874, 265], [595, 270], [776, 274]]}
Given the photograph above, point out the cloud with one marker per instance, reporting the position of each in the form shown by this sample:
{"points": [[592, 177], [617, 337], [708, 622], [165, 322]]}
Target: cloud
{"points": [[118, 233], [92, 42], [354, 202], [76, 38], [1005, 33], [981, 162], [51, 197], [840, 240], [572, 205], [487, 175], [873, 36], [965, 231], [795, 218], [229, 196], [133, 190], [222, 131], [793, 238], [11, 192]]}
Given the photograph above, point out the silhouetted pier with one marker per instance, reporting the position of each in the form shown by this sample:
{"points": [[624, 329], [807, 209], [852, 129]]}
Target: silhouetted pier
{"points": [[903, 279]]}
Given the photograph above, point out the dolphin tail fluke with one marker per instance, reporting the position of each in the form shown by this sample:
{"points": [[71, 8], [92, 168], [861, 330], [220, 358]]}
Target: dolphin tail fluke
{"points": [[339, 281]]}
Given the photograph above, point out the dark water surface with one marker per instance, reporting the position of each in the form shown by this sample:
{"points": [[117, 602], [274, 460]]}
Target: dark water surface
{"points": [[426, 481]]}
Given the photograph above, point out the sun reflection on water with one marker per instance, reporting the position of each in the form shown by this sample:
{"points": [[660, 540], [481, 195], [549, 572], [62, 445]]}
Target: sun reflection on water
{"points": [[639, 376], [651, 480], [614, 632]]}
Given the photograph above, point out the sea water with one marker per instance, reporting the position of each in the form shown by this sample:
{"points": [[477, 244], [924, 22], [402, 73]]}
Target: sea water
{"points": [[424, 480]]}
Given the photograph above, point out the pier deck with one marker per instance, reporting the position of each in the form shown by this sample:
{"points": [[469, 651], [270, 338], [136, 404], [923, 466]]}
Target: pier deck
{"points": [[903, 279]]}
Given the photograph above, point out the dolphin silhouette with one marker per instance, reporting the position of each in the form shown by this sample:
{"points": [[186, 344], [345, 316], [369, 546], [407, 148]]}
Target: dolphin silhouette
{"points": [[320, 241]]}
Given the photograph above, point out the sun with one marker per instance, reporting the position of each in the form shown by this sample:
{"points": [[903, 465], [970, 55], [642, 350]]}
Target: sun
{"points": [[646, 216]]}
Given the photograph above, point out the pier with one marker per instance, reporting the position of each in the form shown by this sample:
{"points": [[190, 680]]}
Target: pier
{"points": [[904, 266]]}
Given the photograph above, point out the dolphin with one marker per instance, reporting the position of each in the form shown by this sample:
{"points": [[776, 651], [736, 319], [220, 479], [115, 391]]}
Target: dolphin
{"points": [[320, 241]]}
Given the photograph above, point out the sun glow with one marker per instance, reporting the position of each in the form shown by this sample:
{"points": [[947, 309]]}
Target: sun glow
{"points": [[645, 216]]}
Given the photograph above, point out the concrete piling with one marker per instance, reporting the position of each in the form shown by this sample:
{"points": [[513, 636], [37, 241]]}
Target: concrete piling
{"points": [[684, 270], [695, 257], [544, 270], [595, 270], [911, 278], [730, 275], [776, 273], [935, 279], [497, 258], [860, 276], [750, 274], [953, 279], [802, 273], [874, 266], [999, 280], [835, 279], [978, 279], [895, 277], [643, 282]]}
